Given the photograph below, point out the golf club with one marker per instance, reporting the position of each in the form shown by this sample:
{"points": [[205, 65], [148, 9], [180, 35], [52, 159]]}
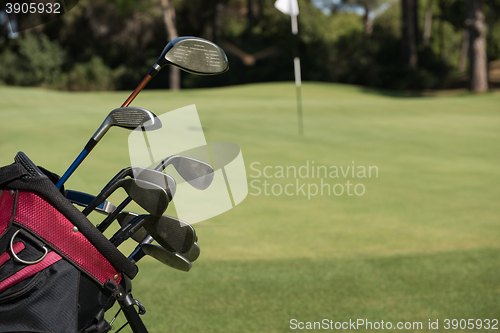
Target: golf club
{"points": [[141, 233], [166, 257], [197, 173], [124, 218], [151, 176], [191, 54], [151, 197], [84, 199], [124, 117], [193, 253], [171, 233]]}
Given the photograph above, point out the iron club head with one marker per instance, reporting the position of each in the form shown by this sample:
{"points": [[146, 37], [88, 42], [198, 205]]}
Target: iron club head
{"points": [[197, 173]]}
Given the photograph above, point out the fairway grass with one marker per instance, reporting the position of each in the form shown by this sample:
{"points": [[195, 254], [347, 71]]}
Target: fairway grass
{"points": [[421, 243]]}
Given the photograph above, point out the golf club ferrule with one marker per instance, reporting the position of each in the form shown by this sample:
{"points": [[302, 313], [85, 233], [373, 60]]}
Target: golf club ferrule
{"points": [[154, 70], [90, 145]]}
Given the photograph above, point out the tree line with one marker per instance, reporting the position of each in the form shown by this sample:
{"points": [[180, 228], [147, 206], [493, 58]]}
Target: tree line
{"points": [[392, 44]]}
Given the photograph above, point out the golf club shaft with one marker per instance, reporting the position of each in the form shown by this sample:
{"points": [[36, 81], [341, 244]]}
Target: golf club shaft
{"points": [[125, 233], [137, 90], [138, 253], [111, 217], [92, 143], [88, 148]]}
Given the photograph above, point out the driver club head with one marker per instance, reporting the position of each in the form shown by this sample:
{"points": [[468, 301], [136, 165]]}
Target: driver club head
{"points": [[129, 118], [194, 55]]}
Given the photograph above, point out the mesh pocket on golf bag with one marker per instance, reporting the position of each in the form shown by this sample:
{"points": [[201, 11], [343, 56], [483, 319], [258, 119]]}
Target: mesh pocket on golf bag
{"points": [[37, 296], [40, 291]]}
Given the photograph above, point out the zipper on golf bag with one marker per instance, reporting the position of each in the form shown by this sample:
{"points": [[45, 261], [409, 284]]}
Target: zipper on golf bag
{"points": [[58, 273]]}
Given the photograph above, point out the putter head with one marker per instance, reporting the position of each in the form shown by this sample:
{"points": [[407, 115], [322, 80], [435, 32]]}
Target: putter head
{"points": [[197, 173], [194, 55], [130, 118], [166, 257]]}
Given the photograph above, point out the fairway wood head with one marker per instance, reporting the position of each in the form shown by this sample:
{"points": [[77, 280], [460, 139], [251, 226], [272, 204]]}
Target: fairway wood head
{"points": [[193, 253], [129, 118], [171, 233], [194, 55], [197, 173], [166, 257]]}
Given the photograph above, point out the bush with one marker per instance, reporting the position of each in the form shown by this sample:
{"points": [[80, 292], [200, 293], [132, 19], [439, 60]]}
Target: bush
{"points": [[91, 75], [38, 61], [374, 62]]}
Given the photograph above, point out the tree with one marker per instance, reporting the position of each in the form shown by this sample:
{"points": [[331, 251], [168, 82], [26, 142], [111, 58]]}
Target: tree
{"points": [[369, 6], [427, 23], [169, 19], [478, 74], [409, 49]]}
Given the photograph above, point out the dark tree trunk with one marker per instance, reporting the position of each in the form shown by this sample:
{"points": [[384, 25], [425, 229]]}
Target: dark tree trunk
{"points": [[409, 50], [169, 19], [427, 23], [464, 50], [367, 21], [478, 77], [250, 22], [441, 37]]}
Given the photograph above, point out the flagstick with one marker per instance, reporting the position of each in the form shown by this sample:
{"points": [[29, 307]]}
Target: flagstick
{"points": [[298, 84], [298, 80]]}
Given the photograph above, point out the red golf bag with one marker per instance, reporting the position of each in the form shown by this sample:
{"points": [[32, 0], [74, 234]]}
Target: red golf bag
{"points": [[58, 273]]}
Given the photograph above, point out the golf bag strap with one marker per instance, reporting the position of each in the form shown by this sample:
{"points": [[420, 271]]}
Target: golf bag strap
{"points": [[11, 172]]}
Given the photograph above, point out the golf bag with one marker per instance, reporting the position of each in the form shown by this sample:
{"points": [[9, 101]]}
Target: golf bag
{"points": [[58, 273]]}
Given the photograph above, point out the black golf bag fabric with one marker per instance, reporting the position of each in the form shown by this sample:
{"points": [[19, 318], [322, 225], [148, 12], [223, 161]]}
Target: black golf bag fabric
{"points": [[57, 271]]}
